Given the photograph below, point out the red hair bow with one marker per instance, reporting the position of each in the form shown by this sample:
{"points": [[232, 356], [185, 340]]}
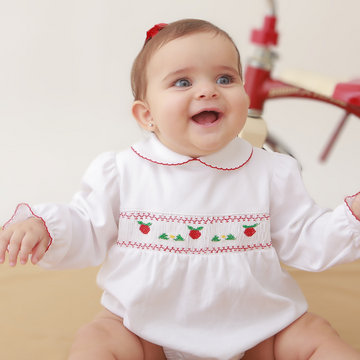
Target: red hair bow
{"points": [[154, 31]]}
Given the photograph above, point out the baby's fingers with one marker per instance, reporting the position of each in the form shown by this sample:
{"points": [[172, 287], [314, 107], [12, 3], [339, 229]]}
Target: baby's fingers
{"points": [[355, 207], [39, 250], [14, 246], [4, 242], [27, 245]]}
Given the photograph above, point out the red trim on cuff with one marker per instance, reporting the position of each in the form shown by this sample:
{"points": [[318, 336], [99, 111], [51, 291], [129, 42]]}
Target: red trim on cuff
{"points": [[34, 215], [347, 204]]}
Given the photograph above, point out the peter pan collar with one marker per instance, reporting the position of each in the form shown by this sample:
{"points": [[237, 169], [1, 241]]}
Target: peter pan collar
{"points": [[233, 156]]}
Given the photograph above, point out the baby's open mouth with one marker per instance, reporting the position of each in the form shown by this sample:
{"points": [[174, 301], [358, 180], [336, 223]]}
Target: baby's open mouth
{"points": [[206, 117]]}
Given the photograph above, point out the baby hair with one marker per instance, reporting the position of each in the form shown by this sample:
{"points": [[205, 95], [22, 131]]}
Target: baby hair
{"points": [[168, 33]]}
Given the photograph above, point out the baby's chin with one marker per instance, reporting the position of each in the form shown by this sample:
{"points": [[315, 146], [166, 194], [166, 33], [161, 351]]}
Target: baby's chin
{"points": [[209, 146], [195, 151]]}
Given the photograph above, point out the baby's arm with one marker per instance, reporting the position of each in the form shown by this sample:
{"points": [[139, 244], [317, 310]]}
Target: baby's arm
{"points": [[305, 235], [24, 238], [70, 236], [355, 206]]}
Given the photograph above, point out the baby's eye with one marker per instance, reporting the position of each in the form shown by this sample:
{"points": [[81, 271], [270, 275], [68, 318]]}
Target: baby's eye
{"points": [[225, 79], [182, 83]]}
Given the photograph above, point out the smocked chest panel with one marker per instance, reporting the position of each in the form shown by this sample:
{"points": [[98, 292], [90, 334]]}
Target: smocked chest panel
{"points": [[185, 234]]}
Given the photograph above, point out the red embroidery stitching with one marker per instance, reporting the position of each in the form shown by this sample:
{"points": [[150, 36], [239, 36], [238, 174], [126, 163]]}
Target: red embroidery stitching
{"points": [[347, 204], [47, 230], [193, 220], [195, 159], [225, 249], [195, 232], [144, 228], [250, 230]]}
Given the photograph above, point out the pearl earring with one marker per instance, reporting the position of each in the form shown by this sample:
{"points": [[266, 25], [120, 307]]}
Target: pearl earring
{"points": [[151, 124]]}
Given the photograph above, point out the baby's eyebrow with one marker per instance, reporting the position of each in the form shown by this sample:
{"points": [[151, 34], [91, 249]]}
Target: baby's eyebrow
{"points": [[227, 68], [182, 71]]}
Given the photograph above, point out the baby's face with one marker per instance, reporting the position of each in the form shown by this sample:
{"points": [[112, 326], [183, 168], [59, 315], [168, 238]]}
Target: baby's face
{"points": [[195, 95]]}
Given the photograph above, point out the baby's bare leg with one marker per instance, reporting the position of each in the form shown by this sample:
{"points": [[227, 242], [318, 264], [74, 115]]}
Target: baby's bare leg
{"points": [[262, 351], [312, 337], [308, 338], [106, 338]]}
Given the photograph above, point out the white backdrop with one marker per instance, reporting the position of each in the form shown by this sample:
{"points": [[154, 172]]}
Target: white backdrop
{"points": [[65, 92]]}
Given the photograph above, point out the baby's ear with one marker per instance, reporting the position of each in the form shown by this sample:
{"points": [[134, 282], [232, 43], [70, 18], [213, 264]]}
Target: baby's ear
{"points": [[142, 115]]}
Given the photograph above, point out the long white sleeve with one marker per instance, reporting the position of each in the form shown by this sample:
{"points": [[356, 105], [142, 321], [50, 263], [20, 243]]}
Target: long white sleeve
{"points": [[83, 231], [305, 235]]}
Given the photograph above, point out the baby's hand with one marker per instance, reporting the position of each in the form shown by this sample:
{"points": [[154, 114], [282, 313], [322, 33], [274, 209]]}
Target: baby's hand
{"points": [[355, 206], [26, 237]]}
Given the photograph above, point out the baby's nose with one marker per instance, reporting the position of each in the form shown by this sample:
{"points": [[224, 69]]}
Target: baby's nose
{"points": [[207, 91]]}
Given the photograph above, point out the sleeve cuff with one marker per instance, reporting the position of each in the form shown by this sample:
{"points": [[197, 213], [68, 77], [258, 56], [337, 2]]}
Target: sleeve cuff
{"points": [[23, 212]]}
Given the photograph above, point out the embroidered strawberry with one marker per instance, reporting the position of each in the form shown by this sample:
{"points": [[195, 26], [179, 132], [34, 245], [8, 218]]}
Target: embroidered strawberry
{"points": [[144, 228], [250, 229], [195, 232]]}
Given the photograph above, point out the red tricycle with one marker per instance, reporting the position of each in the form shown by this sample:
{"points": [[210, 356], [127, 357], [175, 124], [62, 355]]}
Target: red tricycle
{"points": [[261, 87]]}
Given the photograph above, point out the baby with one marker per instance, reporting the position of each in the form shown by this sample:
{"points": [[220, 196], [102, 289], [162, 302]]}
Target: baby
{"points": [[192, 223]]}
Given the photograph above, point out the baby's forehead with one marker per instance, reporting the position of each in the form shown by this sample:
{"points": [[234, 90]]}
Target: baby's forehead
{"points": [[208, 46], [205, 38]]}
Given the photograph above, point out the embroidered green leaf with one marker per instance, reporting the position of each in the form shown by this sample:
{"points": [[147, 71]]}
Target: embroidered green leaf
{"points": [[179, 238], [196, 229], [141, 223], [250, 226], [230, 237], [215, 238], [164, 236]]}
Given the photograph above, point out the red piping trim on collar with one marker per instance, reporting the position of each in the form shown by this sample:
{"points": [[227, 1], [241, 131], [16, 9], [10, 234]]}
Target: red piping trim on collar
{"points": [[347, 204], [195, 159], [38, 217], [159, 163]]}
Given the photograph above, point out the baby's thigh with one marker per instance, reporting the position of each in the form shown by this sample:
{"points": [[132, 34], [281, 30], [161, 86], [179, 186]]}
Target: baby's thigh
{"points": [[303, 337], [262, 351], [107, 338], [298, 341]]}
